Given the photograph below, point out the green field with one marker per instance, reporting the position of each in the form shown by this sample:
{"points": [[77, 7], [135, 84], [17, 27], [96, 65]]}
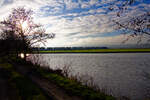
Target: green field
{"points": [[98, 51]]}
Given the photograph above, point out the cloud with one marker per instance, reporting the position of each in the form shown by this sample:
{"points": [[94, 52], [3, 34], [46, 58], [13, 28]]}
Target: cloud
{"points": [[75, 22], [71, 5], [95, 41]]}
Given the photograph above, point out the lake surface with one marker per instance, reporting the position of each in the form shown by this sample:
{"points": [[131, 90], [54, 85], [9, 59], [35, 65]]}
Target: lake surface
{"points": [[121, 74]]}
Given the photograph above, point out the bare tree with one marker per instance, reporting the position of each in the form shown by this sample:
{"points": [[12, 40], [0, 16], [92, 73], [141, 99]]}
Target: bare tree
{"points": [[135, 25], [120, 5], [19, 25]]}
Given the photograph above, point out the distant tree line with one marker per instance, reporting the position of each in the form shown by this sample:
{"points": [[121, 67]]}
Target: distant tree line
{"points": [[65, 48]]}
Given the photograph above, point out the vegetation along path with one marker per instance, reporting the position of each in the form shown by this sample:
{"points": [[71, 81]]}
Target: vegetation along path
{"points": [[21, 80], [6, 91], [48, 87]]}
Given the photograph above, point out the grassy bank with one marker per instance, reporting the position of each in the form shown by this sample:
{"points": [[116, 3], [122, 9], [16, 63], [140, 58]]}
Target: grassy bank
{"points": [[98, 51], [74, 87], [24, 88], [70, 86]]}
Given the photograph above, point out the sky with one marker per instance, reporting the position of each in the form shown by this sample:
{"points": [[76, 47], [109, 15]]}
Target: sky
{"points": [[78, 22]]}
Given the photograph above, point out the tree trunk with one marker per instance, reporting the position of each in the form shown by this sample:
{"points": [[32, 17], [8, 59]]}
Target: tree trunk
{"points": [[25, 56]]}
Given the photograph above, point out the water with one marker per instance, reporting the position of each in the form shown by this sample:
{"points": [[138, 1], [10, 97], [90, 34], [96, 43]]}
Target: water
{"points": [[122, 74]]}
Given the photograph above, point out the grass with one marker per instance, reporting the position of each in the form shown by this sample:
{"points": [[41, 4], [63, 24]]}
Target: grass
{"points": [[26, 89], [74, 87], [70, 85], [97, 51]]}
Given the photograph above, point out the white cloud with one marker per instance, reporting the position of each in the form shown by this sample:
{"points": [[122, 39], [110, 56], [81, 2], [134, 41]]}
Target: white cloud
{"points": [[70, 4], [83, 24], [93, 41], [1, 2], [85, 5], [92, 2]]}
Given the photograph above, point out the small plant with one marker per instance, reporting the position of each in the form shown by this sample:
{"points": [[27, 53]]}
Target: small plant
{"points": [[66, 70]]}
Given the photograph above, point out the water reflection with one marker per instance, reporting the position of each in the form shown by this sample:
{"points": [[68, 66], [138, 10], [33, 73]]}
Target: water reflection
{"points": [[22, 55]]}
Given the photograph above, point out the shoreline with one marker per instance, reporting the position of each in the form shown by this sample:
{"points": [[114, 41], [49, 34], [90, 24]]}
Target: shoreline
{"points": [[49, 84], [87, 52], [93, 51]]}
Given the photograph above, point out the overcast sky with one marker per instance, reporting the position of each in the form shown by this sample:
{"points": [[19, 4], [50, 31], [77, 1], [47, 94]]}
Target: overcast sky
{"points": [[77, 22]]}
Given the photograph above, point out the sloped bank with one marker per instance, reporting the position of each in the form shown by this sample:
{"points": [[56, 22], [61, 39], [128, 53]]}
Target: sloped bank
{"points": [[71, 86], [21, 87], [52, 83]]}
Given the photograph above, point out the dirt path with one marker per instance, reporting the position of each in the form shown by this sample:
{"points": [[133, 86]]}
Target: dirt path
{"points": [[3, 89], [53, 90], [48, 87], [6, 91]]}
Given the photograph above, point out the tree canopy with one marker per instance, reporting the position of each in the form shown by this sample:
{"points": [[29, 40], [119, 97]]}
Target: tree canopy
{"points": [[19, 26], [135, 25]]}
